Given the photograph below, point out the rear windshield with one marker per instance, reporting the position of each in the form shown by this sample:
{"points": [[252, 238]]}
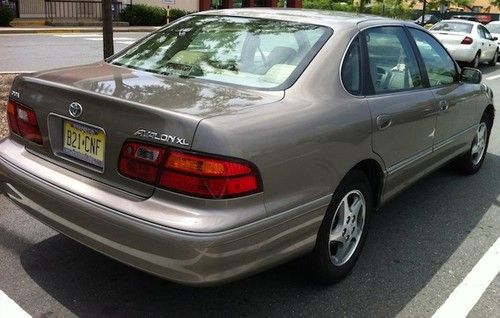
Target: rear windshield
{"points": [[257, 53], [493, 27], [453, 27]]}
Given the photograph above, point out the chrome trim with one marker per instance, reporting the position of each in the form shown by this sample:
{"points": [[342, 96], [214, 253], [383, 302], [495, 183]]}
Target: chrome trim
{"points": [[406, 162], [68, 158], [444, 143]]}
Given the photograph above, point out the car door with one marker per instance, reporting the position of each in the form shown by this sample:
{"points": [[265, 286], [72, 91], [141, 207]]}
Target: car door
{"points": [[403, 110], [455, 100], [487, 45], [492, 45]]}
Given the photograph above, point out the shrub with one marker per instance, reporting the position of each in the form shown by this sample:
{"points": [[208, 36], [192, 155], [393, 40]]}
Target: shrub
{"points": [[6, 15], [176, 14], [141, 14]]}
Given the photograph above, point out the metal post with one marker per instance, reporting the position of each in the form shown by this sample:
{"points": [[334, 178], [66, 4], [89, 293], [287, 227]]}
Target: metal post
{"points": [[107, 28], [423, 13]]}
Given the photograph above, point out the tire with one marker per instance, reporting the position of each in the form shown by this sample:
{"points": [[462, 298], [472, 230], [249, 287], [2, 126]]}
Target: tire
{"points": [[493, 61], [475, 61], [332, 260], [470, 162]]}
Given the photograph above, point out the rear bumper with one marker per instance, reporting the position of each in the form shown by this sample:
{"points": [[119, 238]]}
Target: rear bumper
{"points": [[181, 256], [463, 53]]}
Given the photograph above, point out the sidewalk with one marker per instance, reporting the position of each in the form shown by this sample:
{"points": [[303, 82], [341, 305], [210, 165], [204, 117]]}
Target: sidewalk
{"points": [[52, 29]]}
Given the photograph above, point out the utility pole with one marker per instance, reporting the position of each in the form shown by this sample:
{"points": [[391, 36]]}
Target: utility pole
{"points": [[107, 28], [423, 13]]}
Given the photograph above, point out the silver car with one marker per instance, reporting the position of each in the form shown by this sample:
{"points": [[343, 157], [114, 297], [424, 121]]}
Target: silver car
{"points": [[232, 141]]}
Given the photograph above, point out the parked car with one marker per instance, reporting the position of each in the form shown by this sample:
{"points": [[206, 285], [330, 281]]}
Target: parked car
{"points": [[232, 141], [464, 17], [468, 42], [428, 19]]}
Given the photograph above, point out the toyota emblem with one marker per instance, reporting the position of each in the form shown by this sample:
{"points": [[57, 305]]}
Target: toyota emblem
{"points": [[75, 109]]}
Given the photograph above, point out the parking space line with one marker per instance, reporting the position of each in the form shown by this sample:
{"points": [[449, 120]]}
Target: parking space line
{"points": [[468, 293], [8, 308], [492, 77]]}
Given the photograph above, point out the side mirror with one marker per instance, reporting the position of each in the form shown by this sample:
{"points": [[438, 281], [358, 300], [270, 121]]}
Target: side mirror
{"points": [[495, 38], [471, 75]]}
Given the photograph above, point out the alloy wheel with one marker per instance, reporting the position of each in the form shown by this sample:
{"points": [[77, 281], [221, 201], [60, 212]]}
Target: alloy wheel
{"points": [[347, 227], [479, 143]]}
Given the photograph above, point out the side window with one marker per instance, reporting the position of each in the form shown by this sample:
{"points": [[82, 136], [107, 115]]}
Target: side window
{"points": [[393, 66], [438, 63], [487, 33], [482, 35], [351, 69]]}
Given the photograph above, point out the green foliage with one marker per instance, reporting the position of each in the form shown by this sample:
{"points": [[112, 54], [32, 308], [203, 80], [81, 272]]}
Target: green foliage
{"points": [[176, 14], [329, 5], [392, 8], [142, 14], [6, 15]]}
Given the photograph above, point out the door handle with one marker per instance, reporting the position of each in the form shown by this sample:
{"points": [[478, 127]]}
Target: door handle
{"points": [[443, 105], [383, 122]]}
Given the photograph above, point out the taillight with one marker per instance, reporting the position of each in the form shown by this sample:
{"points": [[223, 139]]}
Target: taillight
{"points": [[188, 173], [140, 161], [467, 40], [22, 121], [207, 176]]}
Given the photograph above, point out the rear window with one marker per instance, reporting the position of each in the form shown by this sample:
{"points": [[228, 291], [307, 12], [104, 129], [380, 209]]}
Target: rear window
{"points": [[258, 53], [453, 27]]}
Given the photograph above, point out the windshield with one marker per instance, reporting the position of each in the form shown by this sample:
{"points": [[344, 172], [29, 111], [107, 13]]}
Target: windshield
{"points": [[493, 27], [251, 52], [453, 27]]}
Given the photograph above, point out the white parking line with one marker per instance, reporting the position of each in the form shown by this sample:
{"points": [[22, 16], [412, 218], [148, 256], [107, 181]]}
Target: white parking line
{"points": [[492, 77], [84, 35], [8, 308], [468, 293]]}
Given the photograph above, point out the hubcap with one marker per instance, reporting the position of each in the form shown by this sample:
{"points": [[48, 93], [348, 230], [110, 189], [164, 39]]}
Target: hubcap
{"points": [[347, 227], [479, 144]]}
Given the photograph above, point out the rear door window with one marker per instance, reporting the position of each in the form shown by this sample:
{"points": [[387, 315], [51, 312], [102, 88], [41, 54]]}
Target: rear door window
{"points": [[393, 66]]}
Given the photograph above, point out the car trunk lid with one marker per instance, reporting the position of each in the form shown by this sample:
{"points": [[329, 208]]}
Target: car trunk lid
{"points": [[119, 104], [450, 38]]}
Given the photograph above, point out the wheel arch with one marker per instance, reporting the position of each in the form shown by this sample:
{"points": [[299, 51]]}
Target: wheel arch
{"points": [[490, 110], [373, 170]]}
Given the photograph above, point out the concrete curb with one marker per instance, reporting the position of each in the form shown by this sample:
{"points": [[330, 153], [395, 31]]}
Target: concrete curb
{"points": [[72, 30]]}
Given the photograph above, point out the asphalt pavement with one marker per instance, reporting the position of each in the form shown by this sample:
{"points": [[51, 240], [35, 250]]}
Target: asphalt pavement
{"points": [[37, 52], [420, 247]]}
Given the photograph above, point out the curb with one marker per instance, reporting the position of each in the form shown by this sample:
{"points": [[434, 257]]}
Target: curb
{"points": [[73, 30]]}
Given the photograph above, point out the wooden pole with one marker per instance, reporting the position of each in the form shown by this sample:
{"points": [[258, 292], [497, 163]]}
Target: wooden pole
{"points": [[107, 28]]}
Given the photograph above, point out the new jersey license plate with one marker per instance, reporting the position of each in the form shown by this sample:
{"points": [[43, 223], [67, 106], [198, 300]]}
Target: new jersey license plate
{"points": [[84, 142]]}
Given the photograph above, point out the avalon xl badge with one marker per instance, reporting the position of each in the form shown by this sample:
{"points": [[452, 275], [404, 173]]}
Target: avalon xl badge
{"points": [[75, 109]]}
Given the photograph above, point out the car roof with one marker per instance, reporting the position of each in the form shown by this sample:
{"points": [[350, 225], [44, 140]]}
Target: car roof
{"points": [[318, 17]]}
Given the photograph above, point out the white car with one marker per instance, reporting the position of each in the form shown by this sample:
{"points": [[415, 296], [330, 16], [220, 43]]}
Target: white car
{"points": [[467, 41]]}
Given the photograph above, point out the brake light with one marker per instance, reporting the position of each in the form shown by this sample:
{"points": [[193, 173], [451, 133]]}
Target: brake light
{"points": [[467, 40], [22, 121], [207, 176], [140, 161], [188, 173]]}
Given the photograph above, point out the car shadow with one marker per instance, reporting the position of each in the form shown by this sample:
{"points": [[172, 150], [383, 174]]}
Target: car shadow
{"points": [[410, 238]]}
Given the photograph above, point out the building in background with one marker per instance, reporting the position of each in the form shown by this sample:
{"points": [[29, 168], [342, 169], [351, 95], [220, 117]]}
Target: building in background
{"points": [[38, 8]]}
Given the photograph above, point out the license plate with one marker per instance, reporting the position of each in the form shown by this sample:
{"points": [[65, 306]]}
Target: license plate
{"points": [[84, 142]]}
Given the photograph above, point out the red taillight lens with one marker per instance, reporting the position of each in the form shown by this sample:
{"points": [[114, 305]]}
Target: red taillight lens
{"points": [[12, 116], [140, 161], [208, 176], [467, 40], [22, 121], [188, 173]]}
